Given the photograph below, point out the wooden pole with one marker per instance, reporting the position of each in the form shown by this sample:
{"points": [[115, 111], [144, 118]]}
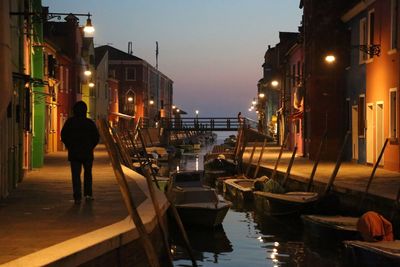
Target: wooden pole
{"points": [[337, 166], [144, 238], [373, 173], [251, 159], [287, 174], [154, 200], [314, 170], [279, 157], [260, 158]]}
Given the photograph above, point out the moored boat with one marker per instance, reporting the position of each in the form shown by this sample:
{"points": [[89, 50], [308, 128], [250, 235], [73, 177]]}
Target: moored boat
{"points": [[240, 188], [286, 203], [333, 228], [382, 253], [196, 204]]}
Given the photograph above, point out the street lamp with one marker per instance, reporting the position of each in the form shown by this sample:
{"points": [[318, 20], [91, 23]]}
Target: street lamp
{"points": [[274, 83], [46, 16], [87, 73], [330, 58]]}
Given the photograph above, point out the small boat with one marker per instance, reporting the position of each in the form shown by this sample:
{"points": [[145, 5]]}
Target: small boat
{"points": [[275, 201], [382, 253], [240, 188], [196, 204], [337, 227], [334, 229], [286, 203]]}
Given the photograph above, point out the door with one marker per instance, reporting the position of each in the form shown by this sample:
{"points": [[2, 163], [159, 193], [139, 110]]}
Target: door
{"points": [[370, 133], [354, 132], [379, 130]]}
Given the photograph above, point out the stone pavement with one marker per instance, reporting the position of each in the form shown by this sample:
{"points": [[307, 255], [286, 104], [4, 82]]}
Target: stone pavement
{"points": [[351, 176], [41, 212]]}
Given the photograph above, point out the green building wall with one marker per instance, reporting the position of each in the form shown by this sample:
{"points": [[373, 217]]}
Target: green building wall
{"points": [[39, 106]]}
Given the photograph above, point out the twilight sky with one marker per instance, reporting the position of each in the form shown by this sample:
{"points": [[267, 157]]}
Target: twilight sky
{"points": [[212, 49]]}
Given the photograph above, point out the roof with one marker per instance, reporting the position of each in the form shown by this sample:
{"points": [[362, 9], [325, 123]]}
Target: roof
{"points": [[114, 53]]}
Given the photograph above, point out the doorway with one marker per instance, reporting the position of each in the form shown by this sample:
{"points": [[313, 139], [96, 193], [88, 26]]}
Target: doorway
{"points": [[370, 133], [354, 132], [380, 139]]}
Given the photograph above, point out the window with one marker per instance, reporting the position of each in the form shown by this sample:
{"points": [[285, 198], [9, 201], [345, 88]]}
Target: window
{"points": [[363, 39], [393, 113], [371, 29], [361, 115], [130, 74], [394, 23]]}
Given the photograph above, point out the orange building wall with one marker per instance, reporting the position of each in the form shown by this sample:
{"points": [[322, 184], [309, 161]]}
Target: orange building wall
{"points": [[382, 74]]}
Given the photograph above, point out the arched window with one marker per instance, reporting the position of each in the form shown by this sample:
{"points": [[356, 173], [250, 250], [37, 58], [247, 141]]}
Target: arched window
{"points": [[130, 102]]}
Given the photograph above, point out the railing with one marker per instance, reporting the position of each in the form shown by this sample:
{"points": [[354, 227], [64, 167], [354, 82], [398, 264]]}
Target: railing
{"points": [[206, 124]]}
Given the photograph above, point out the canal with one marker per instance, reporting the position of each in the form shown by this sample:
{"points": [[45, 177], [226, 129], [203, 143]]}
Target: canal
{"points": [[248, 239]]}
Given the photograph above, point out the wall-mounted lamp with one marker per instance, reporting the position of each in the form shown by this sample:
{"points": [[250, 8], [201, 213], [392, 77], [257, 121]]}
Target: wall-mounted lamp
{"points": [[130, 99], [274, 83], [330, 58], [261, 95], [372, 49], [151, 101], [91, 84], [87, 73], [46, 16]]}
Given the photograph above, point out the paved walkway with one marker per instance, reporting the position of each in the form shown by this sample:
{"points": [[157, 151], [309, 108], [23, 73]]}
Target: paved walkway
{"points": [[351, 176], [41, 212]]}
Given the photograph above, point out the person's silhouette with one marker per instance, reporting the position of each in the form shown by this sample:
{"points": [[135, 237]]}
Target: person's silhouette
{"points": [[80, 136]]}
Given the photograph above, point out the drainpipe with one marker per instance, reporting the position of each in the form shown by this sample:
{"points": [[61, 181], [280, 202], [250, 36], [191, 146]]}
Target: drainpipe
{"points": [[5, 57]]}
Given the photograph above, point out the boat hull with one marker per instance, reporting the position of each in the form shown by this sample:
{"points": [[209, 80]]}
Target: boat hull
{"points": [[359, 253], [275, 204], [318, 227], [239, 189], [199, 216]]}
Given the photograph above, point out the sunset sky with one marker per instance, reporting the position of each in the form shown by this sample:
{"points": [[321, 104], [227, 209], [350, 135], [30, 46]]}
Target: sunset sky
{"points": [[212, 49]]}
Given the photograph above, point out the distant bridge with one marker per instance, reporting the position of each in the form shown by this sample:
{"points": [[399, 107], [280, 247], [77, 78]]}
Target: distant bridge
{"points": [[206, 124]]}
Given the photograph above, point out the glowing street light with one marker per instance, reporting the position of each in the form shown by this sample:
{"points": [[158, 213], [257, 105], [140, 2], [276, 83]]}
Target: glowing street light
{"points": [[91, 84], [330, 59], [261, 95], [274, 83], [87, 73], [88, 27], [130, 99], [151, 102]]}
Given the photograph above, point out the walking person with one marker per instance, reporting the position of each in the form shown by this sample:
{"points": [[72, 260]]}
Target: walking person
{"points": [[80, 136]]}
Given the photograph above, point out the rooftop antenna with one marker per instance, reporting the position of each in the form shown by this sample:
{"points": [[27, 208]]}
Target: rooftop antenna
{"points": [[130, 49], [157, 55]]}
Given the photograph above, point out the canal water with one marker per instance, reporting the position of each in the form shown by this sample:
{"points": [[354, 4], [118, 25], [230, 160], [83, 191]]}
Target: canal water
{"points": [[248, 239]]}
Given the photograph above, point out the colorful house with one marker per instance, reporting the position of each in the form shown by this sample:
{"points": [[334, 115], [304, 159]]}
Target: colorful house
{"points": [[373, 81]]}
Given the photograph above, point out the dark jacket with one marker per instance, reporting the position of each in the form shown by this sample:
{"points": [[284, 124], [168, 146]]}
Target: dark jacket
{"points": [[80, 134]]}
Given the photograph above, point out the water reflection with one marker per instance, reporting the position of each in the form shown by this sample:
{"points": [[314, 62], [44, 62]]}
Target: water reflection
{"points": [[248, 238]]}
